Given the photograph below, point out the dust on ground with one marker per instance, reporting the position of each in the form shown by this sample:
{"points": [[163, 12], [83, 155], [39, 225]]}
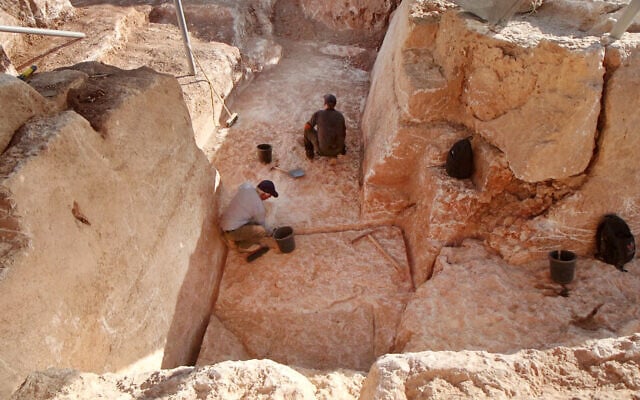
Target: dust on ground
{"points": [[273, 110]]}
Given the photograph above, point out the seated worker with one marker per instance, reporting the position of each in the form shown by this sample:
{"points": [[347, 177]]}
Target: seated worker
{"points": [[243, 222], [328, 140]]}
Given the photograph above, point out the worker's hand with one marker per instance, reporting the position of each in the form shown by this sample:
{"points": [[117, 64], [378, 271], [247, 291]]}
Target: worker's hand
{"points": [[307, 126]]}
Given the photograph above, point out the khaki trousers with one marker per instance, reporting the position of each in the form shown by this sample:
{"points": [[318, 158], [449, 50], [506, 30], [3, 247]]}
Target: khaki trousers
{"points": [[248, 235]]}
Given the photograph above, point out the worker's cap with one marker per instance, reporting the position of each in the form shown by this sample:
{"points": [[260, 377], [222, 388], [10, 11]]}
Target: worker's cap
{"points": [[330, 99], [268, 187]]}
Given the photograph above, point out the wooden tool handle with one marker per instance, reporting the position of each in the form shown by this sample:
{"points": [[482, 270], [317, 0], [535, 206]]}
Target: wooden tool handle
{"points": [[384, 252]]}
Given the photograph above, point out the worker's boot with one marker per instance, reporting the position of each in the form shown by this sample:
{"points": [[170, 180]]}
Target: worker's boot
{"points": [[257, 254], [308, 150]]}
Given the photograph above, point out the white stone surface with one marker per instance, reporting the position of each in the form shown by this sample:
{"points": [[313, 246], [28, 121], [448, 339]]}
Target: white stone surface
{"points": [[21, 102], [476, 301], [607, 368], [111, 224], [303, 308]]}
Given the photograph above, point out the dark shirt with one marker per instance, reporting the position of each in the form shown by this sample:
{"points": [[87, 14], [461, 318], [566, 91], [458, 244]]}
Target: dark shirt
{"points": [[331, 131]]}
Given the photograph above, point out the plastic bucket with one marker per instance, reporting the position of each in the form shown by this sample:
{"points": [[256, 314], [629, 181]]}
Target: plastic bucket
{"points": [[264, 153], [284, 239], [562, 267]]}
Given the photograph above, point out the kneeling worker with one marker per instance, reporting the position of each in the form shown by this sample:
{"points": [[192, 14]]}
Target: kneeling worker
{"points": [[328, 140], [243, 222]]}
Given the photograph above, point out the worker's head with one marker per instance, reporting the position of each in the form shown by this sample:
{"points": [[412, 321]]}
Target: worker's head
{"points": [[330, 101], [267, 189]]}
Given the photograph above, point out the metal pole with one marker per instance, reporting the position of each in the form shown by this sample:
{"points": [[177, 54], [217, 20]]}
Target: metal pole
{"points": [[625, 20], [38, 31], [185, 35]]}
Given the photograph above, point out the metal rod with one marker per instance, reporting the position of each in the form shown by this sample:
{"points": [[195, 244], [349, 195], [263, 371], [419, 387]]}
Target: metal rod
{"points": [[185, 35], [625, 20], [38, 31]]}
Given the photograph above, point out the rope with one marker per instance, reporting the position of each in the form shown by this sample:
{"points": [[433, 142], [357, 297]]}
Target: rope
{"points": [[211, 92]]}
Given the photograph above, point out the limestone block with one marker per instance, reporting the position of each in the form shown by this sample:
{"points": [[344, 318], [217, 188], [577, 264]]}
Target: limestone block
{"points": [[612, 184], [354, 15], [393, 168], [5, 63], [443, 213], [423, 90], [229, 380], [497, 84], [219, 344], [594, 17], [47, 11], [158, 46], [392, 138], [245, 24], [530, 96], [9, 41], [55, 85], [549, 128], [200, 18], [404, 55], [116, 225], [491, 173], [303, 309], [339, 384], [39, 13], [446, 210], [494, 11], [20, 103], [511, 79], [501, 308], [559, 373]]}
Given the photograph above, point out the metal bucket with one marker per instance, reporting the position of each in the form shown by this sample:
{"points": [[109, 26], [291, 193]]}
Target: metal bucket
{"points": [[562, 267], [284, 239], [264, 153]]}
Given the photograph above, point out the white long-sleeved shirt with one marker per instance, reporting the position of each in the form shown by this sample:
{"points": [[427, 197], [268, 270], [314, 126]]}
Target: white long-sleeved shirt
{"points": [[245, 207]]}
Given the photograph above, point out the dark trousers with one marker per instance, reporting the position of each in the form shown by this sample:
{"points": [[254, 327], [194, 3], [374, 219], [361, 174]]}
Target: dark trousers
{"points": [[311, 145]]}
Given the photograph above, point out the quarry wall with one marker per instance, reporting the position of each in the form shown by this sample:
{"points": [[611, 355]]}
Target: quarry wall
{"points": [[542, 107], [109, 224], [110, 235]]}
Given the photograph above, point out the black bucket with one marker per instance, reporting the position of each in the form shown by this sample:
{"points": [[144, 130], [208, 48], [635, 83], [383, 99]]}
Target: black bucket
{"points": [[264, 153], [562, 268], [284, 239]]}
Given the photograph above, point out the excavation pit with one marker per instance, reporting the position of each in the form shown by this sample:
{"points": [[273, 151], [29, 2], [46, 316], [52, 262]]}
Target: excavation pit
{"points": [[306, 308]]}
